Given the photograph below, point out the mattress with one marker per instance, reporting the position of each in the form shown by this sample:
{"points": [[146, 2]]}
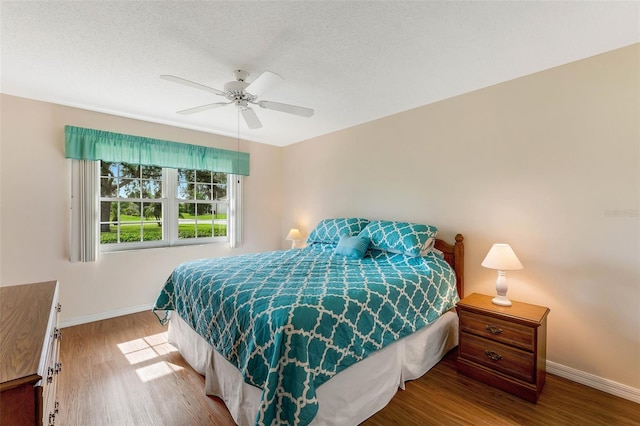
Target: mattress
{"points": [[348, 398]]}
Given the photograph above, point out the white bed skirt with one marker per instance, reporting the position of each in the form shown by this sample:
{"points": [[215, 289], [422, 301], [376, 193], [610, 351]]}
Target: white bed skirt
{"points": [[350, 397]]}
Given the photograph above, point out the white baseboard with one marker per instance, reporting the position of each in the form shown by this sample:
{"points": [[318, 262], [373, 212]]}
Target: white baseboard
{"points": [[593, 381], [105, 315]]}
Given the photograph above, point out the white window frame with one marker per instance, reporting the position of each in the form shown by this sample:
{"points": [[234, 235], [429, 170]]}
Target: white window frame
{"points": [[85, 236]]}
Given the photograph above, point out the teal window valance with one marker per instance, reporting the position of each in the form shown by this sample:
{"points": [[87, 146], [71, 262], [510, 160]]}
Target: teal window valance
{"points": [[91, 144]]}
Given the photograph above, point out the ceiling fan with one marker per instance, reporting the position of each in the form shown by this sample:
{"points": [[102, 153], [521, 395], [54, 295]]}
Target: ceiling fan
{"points": [[241, 93]]}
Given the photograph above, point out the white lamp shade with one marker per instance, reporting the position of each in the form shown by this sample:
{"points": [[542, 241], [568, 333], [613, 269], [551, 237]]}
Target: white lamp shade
{"points": [[502, 258], [293, 235]]}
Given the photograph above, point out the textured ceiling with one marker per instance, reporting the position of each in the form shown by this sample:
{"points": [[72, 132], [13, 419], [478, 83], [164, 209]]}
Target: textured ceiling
{"points": [[352, 62]]}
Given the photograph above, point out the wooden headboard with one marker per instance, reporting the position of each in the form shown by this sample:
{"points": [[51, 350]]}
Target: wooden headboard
{"points": [[454, 255]]}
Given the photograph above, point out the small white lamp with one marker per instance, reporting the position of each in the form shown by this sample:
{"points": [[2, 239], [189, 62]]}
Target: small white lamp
{"points": [[502, 258], [293, 236]]}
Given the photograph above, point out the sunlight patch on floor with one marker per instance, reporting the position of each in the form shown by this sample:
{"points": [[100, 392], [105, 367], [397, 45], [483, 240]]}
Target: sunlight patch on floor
{"points": [[157, 370], [146, 349]]}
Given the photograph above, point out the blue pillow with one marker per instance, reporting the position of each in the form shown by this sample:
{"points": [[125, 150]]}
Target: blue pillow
{"points": [[400, 237], [352, 247], [329, 231]]}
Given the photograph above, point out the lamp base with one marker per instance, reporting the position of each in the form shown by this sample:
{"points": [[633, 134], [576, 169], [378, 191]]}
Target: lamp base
{"points": [[501, 300]]}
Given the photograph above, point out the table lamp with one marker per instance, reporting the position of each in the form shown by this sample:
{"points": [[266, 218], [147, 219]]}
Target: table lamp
{"points": [[502, 258], [293, 236]]}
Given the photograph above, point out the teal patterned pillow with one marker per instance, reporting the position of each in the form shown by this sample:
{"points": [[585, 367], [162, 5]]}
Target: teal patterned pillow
{"points": [[329, 231], [399, 237], [352, 247]]}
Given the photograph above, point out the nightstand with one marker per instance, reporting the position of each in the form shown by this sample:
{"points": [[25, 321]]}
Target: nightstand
{"points": [[503, 346]]}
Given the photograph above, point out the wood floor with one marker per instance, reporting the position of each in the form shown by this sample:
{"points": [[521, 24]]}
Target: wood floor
{"points": [[122, 372]]}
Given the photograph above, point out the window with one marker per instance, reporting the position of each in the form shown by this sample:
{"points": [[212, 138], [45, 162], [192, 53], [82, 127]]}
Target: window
{"points": [[148, 206], [132, 191]]}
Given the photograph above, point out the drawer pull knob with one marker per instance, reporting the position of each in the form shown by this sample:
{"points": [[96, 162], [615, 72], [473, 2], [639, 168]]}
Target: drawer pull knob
{"points": [[493, 329], [492, 355]]}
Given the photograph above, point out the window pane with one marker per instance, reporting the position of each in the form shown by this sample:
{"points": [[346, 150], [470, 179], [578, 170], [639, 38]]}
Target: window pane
{"points": [[151, 189], [108, 222], [108, 211], [151, 172], [203, 176], [220, 223], [203, 211], [203, 230], [130, 233], [109, 187], [130, 188], [185, 175], [186, 220], [196, 220], [185, 211], [153, 213], [152, 226], [130, 170], [203, 192], [129, 211], [220, 211], [109, 169], [185, 190], [219, 192], [129, 225], [220, 178]]}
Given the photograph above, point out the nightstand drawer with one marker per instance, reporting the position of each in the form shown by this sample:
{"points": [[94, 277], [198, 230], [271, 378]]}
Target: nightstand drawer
{"points": [[499, 330], [508, 360]]}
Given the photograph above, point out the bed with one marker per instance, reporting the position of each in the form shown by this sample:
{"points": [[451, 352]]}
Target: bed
{"points": [[320, 335]]}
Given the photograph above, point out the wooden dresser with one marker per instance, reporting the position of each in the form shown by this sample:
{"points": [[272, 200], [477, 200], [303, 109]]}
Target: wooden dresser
{"points": [[29, 347], [504, 346]]}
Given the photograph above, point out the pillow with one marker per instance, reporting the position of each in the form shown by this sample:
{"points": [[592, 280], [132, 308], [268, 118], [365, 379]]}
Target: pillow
{"points": [[400, 237], [428, 247], [352, 247], [329, 231]]}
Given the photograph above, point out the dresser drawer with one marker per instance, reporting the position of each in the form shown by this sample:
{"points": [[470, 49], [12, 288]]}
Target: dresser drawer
{"points": [[508, 360], [49, 383], [498, 330]]}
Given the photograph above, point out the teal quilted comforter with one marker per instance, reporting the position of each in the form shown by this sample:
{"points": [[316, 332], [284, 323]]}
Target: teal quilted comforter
{"points": [[290, 320]]}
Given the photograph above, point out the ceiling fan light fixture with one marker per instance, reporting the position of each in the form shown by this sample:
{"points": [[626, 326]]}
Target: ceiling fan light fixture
{"points": [[242, 94], [241, 75]]}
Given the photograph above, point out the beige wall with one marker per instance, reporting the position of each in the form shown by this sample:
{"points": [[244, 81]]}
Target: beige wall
{"points": [[536, 162], [35, 185]]}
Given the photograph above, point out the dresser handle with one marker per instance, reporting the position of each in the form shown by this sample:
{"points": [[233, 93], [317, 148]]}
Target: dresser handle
{"points": [[492, 355], [493, 329]]}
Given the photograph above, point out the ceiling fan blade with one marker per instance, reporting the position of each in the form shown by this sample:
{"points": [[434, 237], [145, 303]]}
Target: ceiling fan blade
{"points": [[291, 109], [192, 84], [250, 118], [202, 108], [263, 82]]}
